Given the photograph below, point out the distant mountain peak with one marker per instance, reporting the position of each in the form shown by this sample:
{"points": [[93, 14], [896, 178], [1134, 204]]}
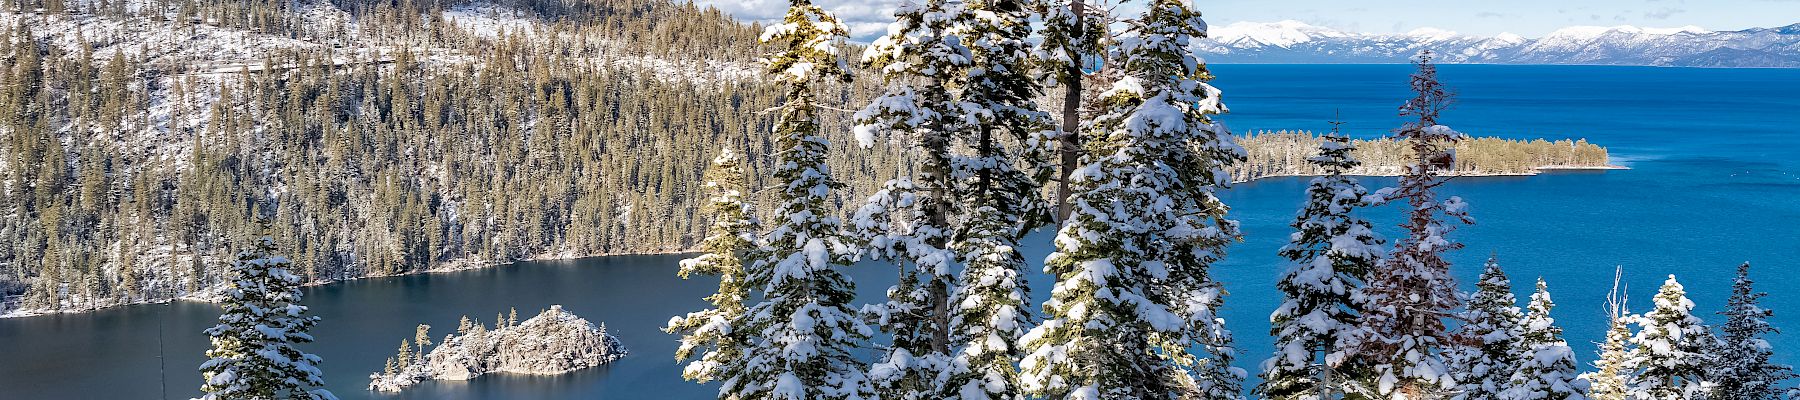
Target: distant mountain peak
{"points": [[1298, 42], [1591, 32], [1432, 33], [1283, 33]]}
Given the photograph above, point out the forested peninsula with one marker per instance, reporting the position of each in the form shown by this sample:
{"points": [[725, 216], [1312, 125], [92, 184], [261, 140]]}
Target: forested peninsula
{"points": [[1284, 153], [430, 136]]}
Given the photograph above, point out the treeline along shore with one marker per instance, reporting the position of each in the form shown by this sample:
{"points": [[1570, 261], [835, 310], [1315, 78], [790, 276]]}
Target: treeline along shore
{"points": [[1271, 154], [1284, 153], [129, 180]]}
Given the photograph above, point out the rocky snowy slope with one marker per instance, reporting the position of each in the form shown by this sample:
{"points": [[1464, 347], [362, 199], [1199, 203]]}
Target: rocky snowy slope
{"points": [[1300, 43], [554, 342]]}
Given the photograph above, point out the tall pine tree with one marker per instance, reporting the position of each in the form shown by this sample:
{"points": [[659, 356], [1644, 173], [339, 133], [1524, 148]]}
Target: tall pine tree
{"points": [[1413, 293], [731, 238], [1669, 351], [799, 338], [1002, 182], [1133, 297], [1546, 363], [922, 60], [1331, 253], [1486, 354], [1742, 369], [253, 353], [894, 225]]}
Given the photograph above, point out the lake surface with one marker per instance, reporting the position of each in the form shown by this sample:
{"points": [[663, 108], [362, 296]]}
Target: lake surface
{"points": [[1715, 181]]}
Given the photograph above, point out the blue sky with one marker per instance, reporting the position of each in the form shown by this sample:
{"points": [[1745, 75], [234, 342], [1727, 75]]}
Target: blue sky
{"points": [[1530, 18]]}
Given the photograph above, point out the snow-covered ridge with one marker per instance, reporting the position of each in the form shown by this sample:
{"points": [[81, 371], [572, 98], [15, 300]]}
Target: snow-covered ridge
{"points": [[206, 47], [1280, 34], [1299, 42]]}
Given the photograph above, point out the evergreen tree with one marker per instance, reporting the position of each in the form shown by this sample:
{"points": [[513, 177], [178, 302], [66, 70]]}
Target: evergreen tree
{"points": [[1741, 367], [1546, 369], [421, 338], [1002, 181], [1331, 254], [731, 237], [1133, 297], [1670, 347], [253, 353], [1413, 294], [1612, 372], [799, 337], [921, 59], [1487, 353], [894, 225], [956, 81], [405, 354]]}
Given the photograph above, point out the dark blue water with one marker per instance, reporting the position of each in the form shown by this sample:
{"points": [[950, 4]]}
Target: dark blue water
{"points": [[1715, 181]]}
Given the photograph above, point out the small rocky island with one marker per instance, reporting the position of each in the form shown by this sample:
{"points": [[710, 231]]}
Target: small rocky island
{"points": [[554, 342]]}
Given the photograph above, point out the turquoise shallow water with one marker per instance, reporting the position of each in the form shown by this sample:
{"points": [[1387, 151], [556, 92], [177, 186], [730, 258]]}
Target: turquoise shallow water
{"points": [[1715, 181]]}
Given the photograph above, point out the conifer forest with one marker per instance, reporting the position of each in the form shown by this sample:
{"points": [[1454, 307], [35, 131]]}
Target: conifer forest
{"points": [[236, 152]]}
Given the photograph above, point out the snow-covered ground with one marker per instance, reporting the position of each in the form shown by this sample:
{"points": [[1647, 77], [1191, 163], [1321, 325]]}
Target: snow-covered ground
{"points": [[203, 57]]}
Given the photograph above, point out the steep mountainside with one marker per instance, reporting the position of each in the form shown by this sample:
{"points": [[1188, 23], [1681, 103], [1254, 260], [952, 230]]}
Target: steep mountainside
{"points": [[1297, 42], [143, 140]]}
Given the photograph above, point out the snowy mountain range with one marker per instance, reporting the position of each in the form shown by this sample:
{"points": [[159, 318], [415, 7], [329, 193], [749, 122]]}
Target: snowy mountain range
{"points": [[1689, 46]]}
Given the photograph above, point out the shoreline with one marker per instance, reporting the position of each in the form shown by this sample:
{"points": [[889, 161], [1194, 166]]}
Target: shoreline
{"points": [[447, 267], [467, 265], [1539, 170]]}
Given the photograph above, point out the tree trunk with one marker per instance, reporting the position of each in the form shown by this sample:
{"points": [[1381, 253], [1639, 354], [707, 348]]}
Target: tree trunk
{"points": [[937, 180], [1071, 118]]}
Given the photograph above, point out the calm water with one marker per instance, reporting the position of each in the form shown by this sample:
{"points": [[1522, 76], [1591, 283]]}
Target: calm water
{"points": [[1715, 181]]}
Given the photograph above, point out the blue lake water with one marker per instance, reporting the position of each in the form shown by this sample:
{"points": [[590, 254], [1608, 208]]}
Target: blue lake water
{"points": [[1715, 181]]}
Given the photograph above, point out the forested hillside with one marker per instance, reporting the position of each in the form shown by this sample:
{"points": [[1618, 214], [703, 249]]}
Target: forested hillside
{"points": [[385, 139], [142, 138]]}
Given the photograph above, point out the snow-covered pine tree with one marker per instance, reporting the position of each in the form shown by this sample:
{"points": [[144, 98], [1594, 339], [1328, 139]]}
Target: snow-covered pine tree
{"points": [[1742, 369], [1413, 294], [1669, 351], [1609, 380], [1133, 296], [921, 59], [1487, 349], [988, 311], [253, 353], [730, 239], [798, 339], [1546, 369], [894, 225], [1331, 253]]}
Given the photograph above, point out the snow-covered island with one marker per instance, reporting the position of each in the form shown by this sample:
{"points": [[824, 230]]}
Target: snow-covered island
{"points": [[554, 342]]}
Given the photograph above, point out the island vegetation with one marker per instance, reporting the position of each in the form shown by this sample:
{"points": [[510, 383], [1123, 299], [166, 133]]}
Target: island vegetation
{"points": [[553, 342], [1285, 153]]}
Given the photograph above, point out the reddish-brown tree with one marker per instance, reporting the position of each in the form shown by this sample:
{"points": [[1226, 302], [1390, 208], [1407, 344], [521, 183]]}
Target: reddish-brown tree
{"points": [[1410, 300]]}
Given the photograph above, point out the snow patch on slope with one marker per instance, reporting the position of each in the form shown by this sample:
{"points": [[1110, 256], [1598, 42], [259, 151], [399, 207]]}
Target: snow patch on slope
{"points": [[489, 21]]}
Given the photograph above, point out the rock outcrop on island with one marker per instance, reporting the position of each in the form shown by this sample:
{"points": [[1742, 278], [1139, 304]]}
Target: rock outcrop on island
{"points": [[554, 342]]}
